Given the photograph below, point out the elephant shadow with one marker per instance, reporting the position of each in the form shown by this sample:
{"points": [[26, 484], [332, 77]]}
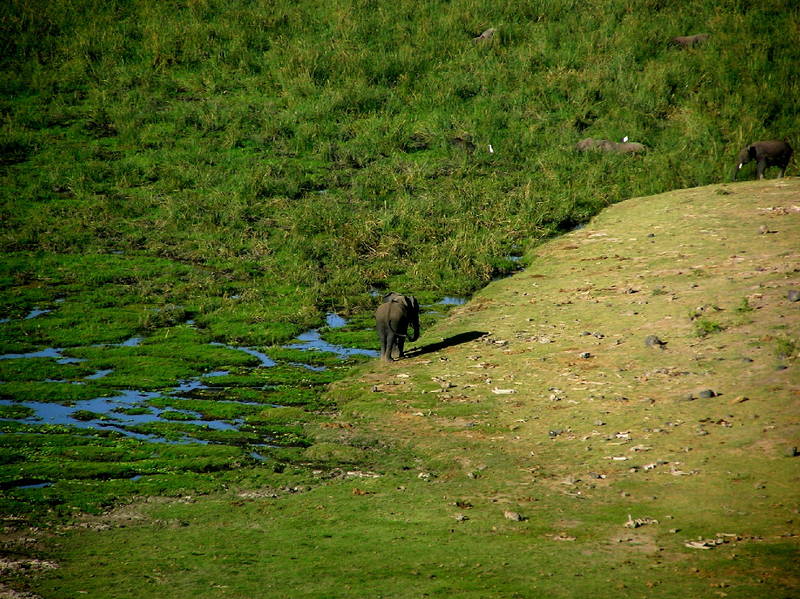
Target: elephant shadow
{"points": [[445, 343]]}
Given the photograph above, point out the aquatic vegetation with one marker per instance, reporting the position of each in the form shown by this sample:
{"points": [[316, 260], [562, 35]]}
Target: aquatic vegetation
{"points": [[216, 409], [55, 392], [15, 411], [41, 369]]}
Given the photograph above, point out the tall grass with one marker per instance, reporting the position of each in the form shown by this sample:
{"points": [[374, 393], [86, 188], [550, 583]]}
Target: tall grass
{"points": [[307, 145]]}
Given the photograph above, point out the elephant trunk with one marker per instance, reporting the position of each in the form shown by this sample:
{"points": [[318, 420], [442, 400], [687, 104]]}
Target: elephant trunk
{"points": [[414, 318]]}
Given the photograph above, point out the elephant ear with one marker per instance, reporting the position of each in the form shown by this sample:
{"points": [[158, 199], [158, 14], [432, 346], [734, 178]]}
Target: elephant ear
{"points": [[751, 152], [411, 303]]}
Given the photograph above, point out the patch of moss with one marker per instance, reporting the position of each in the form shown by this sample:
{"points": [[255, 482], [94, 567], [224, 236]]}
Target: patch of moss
{"points": [[17, 412], [63, 393], [40, 369], [208, 409]]}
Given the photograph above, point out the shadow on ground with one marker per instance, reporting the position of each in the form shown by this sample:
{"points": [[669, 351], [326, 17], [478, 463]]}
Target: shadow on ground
{"points": [[445, 343]]}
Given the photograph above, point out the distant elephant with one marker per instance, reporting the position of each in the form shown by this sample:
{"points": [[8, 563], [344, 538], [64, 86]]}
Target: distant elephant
{"points": [[486, 35], [392, 319], [765, 153], [687, 41], [604, 145]]}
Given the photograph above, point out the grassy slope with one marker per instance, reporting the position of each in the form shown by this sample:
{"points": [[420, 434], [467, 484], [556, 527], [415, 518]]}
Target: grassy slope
{"points": [[655, 265]]}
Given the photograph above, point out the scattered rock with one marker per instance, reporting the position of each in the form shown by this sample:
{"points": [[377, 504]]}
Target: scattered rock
{"points": [[563, 537], [585, 355], [792, 452], [707, 393], [513, 516], [460, 517], [637, 522], [739, 399], [497, 391], [793, 295], [653, 341]]}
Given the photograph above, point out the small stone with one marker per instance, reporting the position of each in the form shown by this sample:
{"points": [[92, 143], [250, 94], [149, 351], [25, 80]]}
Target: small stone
{"points": [[585, 355], [792, 452], [707, 393], [739, 399], [653, 341], [793, 295], [513, 516], [460, 517]]}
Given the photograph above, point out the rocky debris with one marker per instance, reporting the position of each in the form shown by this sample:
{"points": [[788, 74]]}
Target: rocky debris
{"points": [[513, 516], [653, 341], [497, 391], [460, 517], [585, 355], [638, 522], [26, 565], [793, 295], [707, 394], [720, 539]]}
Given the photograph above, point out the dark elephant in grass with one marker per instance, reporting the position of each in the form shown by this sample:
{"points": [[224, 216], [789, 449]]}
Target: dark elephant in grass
{"points": [[604, 145], [392, 319], [765, 153], [688, 41]]}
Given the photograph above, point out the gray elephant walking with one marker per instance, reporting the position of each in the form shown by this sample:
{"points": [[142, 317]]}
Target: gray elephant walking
{"points": [[765, 153], [392, 319]]}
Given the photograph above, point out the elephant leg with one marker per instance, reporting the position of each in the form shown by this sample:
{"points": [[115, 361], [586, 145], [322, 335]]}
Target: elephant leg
{"points": [[782, 173], [391, 341], [762, 165], [400, 343], [387, 339]]}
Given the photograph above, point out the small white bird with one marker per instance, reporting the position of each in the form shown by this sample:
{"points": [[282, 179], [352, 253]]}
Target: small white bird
{"points": [[491, 149], [624, 139]]}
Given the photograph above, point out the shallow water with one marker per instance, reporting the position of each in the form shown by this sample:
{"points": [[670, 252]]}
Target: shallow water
{"points": [[453, 301], [266, 361], [313, 340], [111, 408]]}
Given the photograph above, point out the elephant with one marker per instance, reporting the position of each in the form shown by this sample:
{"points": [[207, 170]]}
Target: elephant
{"points": [[609, 146], [392, 319], [687, 41], [765, 153], [486, 35]]}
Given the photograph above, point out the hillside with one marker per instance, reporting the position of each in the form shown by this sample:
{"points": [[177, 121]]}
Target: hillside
{"points": [[533, 444]]}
